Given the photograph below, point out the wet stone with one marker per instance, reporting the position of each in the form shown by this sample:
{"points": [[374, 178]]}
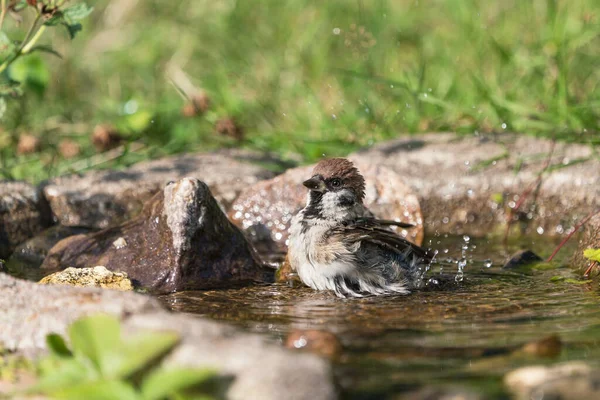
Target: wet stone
{"points": [[100, 199], [316, 341], [566, 381], [590, 239], [264, 210], [466, 184], [89, 277], [23, 214], [28, 256], [181, 240], [522, 258]]}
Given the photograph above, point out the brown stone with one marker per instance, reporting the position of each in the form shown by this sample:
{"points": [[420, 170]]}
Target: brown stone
{"points": [[23, 214], [319, 342], [181, 240], [100, 199], [265, 210]]}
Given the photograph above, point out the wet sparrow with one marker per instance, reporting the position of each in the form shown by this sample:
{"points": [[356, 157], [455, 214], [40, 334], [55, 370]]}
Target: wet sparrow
{"points": [[336, 244]]}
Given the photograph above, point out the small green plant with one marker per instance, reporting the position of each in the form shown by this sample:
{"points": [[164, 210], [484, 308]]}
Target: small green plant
{"points": [[102, 365], [592, 254], [46, 13]]}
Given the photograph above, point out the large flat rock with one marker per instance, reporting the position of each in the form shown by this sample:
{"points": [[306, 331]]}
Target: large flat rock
{"points": [[261, 370], [23, 214], [466, 184], [100, 199]]}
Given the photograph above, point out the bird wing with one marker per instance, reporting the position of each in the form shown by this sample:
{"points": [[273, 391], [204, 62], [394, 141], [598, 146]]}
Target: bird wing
{"points": [[370, 230]]}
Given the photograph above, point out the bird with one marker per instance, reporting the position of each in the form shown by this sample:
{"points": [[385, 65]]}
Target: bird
{"points": [[336, 244]]}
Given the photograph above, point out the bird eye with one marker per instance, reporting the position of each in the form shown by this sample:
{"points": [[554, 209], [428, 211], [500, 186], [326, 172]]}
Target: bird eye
{"points": [[170, 183], [335, 182]]}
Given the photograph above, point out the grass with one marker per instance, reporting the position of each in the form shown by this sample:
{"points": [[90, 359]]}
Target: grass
{"points": [[306, 78]]}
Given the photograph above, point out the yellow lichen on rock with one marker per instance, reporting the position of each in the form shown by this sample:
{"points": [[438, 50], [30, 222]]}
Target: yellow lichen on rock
{"points": [[90, 277]]}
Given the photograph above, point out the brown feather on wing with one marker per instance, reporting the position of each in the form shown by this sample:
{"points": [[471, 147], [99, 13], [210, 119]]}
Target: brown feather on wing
{"points": [[370, 230]]}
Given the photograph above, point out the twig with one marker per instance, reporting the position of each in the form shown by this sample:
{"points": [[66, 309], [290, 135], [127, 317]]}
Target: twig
{"points": [[565, 240], [2, 13], [588, 271], [526, 193]]}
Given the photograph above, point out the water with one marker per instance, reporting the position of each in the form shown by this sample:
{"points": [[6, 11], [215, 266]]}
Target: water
{"points": [[461, 332]]}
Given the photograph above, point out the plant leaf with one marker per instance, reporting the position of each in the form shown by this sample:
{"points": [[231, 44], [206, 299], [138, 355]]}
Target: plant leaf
{"points": [[60, 373], [165, 382], [45, 49], [592, 254], [95, 338], [57, 345], [138, 351], [98, 390], [76, 12]]}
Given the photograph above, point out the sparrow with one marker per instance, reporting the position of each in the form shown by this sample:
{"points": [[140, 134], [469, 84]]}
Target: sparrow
{"points": [[337, 244]]}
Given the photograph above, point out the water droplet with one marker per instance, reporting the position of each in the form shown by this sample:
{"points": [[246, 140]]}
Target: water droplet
{"points": [[540, 230], [487, 263], [333, 116], [503, 125], [467, 162], [466, 238], [130, 107], [445, 220], [445, 251], [300, 343], [336, 31]]}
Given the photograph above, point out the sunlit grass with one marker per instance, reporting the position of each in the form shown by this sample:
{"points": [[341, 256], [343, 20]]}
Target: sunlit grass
{"points": [[306, 78]]}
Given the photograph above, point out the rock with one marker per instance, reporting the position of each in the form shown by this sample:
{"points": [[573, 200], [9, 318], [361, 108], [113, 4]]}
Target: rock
{"points": [[28, 256], [550, 346], [260, 370], [441, 393], [570, 380], [180, 241], [264, 210], [319, 342], [23, 214], [590, 239], [101, 199], [522, 258], [97, 276], [466, 183], [28, 311]]}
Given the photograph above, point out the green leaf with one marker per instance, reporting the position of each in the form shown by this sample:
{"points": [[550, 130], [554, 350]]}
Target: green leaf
{"points": [[96, 338], [73, 29], [61, 373], [592, 254], [98, 390], [165, 382], [137, 352], [57, 346], [77, 12]]}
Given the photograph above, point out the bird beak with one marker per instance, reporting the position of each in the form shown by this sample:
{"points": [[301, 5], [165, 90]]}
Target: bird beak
{"points": [[315, 183]]}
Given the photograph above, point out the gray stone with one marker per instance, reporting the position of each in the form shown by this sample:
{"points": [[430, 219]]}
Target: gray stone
{"points": [[261, 370], [23, 214], [29, 311], [466, 183], [100, 199], [571, 380]]}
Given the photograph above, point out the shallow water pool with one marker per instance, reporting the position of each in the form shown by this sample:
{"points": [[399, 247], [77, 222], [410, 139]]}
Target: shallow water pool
{"points": [[459, 333]]}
